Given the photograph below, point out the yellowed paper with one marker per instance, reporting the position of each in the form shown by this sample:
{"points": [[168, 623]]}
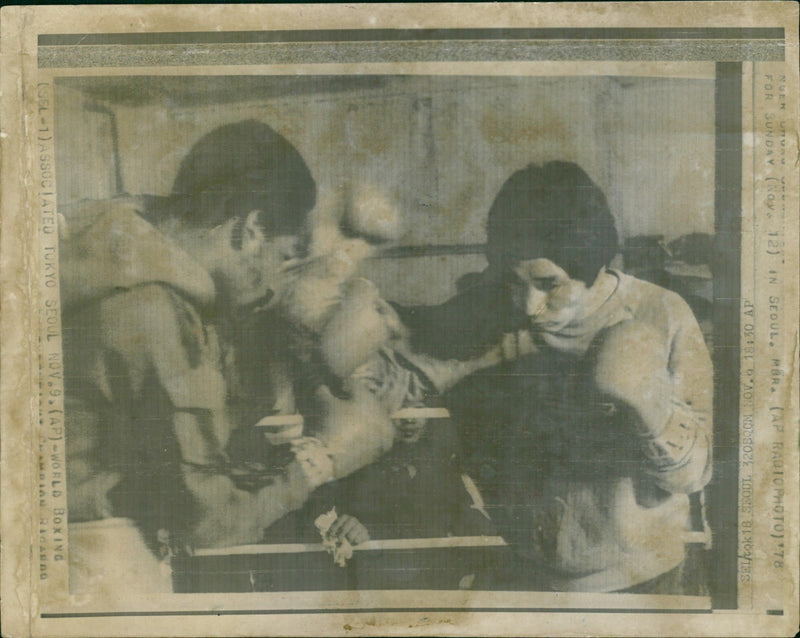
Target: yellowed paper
{"points": [[400, 319]]}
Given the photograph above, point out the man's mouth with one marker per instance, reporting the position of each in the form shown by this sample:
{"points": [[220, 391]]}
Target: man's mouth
{"points": [[409, 431], [543, 322], [408, 436]]}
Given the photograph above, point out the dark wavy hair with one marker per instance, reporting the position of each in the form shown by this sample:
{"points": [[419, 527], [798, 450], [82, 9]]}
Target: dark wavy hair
{"points": [[554, 211], [241, 167]]}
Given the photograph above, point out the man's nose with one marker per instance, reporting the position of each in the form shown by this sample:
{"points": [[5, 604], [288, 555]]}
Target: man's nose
{"points": [[534, 301]]}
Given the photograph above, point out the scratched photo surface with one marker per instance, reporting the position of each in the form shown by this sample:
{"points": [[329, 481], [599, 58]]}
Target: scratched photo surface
{"points": [[397, 333]]}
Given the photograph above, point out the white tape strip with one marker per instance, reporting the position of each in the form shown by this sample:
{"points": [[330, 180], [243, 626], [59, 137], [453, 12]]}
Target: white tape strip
{"points": [[421, 413], [280, 419], [397, 543]]}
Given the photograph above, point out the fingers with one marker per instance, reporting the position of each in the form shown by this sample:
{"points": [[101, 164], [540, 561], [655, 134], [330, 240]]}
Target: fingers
{"points": [[515, 345], [351, 528], [509, 346], [357, 535], [336, 526], [525, 344], [343, 524]]}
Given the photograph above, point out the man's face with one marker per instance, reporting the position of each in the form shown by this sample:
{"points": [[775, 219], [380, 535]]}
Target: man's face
{"points": [[547, 295], [253, 270], [409, 430]]}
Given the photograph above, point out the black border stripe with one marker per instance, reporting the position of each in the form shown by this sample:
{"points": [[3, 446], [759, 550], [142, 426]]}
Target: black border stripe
{"points": [[399, 35], [726, 266], [430, 250], [381, 610]]}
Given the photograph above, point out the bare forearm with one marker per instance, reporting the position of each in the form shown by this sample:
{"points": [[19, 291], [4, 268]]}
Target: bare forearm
{"points": [[445, 374]]}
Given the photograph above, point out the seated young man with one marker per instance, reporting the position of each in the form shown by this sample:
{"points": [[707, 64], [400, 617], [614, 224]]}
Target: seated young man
{"points": [[146, 284], [590, 444]]}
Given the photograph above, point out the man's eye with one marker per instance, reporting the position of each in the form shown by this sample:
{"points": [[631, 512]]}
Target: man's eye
{"points": [[546, 285]]}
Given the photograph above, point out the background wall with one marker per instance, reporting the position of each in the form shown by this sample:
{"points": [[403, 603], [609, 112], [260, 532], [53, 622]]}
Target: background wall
{"points": [[441, 147]]}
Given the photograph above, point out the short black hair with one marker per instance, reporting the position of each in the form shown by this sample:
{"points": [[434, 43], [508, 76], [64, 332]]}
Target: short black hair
{"points": [[553, 211], [241, 167]]}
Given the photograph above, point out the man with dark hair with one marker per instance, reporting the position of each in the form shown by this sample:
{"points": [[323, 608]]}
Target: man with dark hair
{"points": [[242, 167], [590, 438], [146, 284], [555, 212]]}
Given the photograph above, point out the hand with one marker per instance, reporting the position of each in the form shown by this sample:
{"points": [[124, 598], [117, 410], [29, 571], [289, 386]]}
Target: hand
{"points": [[516, 345], [314, 460], [357, 431], [349, 528]]}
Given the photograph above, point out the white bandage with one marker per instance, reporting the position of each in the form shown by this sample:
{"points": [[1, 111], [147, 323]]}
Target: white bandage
{"points": [[676, 439], [314, 459]]}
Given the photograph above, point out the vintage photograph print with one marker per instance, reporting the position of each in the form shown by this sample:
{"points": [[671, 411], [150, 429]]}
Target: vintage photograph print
{"points": [[389, 332], [457, 329]]}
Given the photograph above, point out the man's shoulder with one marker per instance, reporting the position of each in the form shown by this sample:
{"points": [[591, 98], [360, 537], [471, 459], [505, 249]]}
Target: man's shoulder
{"points": [[151, 315], [147, 298], [79, 215], [647, 291], [647, 299]]}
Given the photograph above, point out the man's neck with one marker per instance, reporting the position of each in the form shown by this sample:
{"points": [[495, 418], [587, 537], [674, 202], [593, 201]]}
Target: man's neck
{"points": [[604, 286]]}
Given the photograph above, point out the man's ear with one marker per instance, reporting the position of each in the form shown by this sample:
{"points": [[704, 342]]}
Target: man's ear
{"points": [[252, 233]]}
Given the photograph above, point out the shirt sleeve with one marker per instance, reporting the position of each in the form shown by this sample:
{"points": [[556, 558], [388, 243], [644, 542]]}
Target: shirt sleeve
{"points": [[679, 454]]}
